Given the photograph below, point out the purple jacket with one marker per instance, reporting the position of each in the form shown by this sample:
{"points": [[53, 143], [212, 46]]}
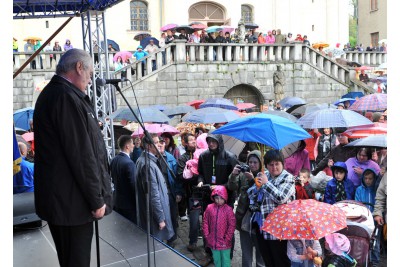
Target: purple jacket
{"points": [[219, 222], [354, 177], [297, 161]]}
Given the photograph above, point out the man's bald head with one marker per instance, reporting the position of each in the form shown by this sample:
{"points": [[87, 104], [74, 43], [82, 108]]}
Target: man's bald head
{"points": [[23, 149]]}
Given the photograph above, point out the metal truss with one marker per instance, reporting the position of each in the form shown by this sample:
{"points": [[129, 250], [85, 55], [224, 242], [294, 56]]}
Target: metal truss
{"points": [[102, 97]]}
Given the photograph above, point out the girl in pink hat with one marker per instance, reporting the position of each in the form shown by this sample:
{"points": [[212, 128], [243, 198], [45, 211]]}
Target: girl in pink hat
{"points": [[338, 246]]}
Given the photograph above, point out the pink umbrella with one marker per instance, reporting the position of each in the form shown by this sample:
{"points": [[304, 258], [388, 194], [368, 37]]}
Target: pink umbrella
{"points": [[243, 106], [198, 26], [123, 54], [168, 27], [28, 136], [156, 128], [226, 29]]}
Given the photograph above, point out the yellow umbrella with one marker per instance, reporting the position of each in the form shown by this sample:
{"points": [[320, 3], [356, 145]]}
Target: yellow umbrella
{"points": [[320, 44], [34, 38]]}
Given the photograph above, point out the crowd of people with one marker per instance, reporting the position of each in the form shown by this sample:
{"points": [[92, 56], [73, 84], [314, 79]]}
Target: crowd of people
{"points": [[197, 178]]}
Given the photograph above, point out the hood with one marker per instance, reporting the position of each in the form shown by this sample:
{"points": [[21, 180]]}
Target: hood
{"points": [[339, 165], [220, 190], [218, 138], [201, 141], [67, 40], [256, 153], [375, 177]]}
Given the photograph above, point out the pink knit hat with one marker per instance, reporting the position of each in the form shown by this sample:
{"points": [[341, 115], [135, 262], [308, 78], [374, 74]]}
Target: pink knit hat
{"points": [[338, 243]]}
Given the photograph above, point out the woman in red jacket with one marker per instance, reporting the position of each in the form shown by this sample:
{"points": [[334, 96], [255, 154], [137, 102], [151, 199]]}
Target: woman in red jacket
{"points": [[219, 226]]}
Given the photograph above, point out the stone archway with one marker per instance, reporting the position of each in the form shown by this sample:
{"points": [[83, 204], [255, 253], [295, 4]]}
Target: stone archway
{"points": [[247, 94]]}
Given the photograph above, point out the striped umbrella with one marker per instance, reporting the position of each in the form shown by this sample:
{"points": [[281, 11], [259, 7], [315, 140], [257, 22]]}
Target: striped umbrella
{"points": [[367, 130], [372, 102]]}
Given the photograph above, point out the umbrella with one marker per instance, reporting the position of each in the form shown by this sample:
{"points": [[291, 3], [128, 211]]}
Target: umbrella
{"points": [[178, 110], [243, 106], [214, 29], [289, 101], [355, 95], [342, 100], [380, 78], [188, 29], [149, 114], [335, 52], [110, 42], [190, 127], [270, 130], [167, 27], [158, 107], [28, 137], [195, 23], [198, 27], [141, 35], [372, 102], [330, 118], [364, 131], [226, 28], [304, 219], [282, 114], [123, 54], [233, 145], [370, 141], [156, 128], [210, 115], [289, 149], [34, 38], [250, 26], [146, 41], [22, 117], [219, 103], [320, 44], [195, 103], [306, 108], [363, 68]]}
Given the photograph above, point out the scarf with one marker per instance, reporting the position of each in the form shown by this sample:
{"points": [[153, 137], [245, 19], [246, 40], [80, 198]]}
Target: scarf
{"points": [[326, 146], [340, 192]]}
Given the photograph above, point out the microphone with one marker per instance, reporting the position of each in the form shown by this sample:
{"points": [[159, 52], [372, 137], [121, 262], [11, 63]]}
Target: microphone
{"points": [[102, 82]]}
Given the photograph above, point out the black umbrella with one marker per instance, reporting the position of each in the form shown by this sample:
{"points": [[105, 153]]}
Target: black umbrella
{"points": [[144, 42], [188, 29], [250, 26]]}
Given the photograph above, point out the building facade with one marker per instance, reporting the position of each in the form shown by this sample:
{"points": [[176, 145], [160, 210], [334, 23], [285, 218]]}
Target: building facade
{"points": [[372, 22], [320, 20]]}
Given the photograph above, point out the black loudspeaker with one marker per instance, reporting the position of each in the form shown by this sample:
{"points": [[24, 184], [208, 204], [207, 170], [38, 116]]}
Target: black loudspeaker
{"points": [[24, 208]]}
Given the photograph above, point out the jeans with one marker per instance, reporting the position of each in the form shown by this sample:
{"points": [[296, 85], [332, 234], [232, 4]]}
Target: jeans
{"points": [[376, 249], [247, 242], [221, 258], [194, 223]]}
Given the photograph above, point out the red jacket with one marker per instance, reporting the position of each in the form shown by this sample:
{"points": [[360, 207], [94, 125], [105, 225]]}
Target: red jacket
{"points": [[219, 222], [304, 192], [310, 144]]}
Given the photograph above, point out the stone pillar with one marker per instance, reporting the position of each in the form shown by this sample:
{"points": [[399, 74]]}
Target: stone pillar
{"points": [[201, 53], [228, 53], [220, 53], [298, 52], [168, 55], [261, 53], [149, 66], [236, 53], [180, 51], [278, 53], [159, 59], [210, 53], [192, 53], [253, 53], [245, 53]]}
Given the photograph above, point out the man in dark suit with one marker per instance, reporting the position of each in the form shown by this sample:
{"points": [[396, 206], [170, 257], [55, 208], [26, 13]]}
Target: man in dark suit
{"points": [[123, 175], [72, 184]]}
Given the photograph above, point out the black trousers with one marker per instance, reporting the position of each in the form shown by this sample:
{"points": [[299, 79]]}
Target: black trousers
{"points": [[273, 252], [73, 244]]}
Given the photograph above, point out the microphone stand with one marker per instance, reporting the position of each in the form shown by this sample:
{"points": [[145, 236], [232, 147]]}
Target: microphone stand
{"points": [[147, 163]]}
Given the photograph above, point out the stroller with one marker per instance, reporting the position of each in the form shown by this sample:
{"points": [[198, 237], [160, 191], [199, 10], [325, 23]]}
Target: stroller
{"points": [[360, 229]]}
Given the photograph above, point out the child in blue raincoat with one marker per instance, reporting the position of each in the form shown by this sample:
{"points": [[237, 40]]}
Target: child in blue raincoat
{"points": [[139, 54], [339, 187]]}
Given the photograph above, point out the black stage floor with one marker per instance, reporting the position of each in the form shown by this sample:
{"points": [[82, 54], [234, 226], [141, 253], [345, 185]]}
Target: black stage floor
{"points": [[121, 244]]}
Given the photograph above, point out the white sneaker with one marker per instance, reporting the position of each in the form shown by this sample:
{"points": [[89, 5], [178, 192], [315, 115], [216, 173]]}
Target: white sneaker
{"points": [[184, 218]]}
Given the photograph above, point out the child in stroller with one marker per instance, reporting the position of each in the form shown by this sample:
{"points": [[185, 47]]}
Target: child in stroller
{"points": [[338, 246], [360, 228]]}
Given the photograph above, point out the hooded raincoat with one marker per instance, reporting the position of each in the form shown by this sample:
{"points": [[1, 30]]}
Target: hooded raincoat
{"points": [[331, 186], [366, 194]]}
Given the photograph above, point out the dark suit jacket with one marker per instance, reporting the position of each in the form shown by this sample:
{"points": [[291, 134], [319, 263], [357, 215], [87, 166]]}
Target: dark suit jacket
{"points": [[123, 175], [71, 167]]}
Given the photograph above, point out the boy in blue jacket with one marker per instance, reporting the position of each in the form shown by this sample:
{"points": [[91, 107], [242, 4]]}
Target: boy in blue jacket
{"points": [[366, 192], [339, 187]]}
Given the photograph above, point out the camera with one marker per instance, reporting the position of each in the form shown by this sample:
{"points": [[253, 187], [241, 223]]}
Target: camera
{"points": [[244, 168], [255, 207]]}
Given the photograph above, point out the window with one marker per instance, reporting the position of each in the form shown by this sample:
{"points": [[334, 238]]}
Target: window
{"points": [[374, 5], [247, 14], [139, 16]]}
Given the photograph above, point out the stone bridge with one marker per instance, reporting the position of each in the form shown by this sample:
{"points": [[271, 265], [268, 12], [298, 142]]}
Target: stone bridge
{"points": [[241, 72]]}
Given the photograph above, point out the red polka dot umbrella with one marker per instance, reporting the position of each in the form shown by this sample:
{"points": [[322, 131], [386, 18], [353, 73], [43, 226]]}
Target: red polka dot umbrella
{"points": [[304, 219]]}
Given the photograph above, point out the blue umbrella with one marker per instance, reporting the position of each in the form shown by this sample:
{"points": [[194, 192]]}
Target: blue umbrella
{"points": [[290, 101], [267, 129], [22, 118], [342, 100], [210, 115], [178, 110], [371, 141], [159, 107], [219, 103], [330, 118], [214, 29], [282, 114], [112, 43], [149, 114], [145, 41], [353, 95]]}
